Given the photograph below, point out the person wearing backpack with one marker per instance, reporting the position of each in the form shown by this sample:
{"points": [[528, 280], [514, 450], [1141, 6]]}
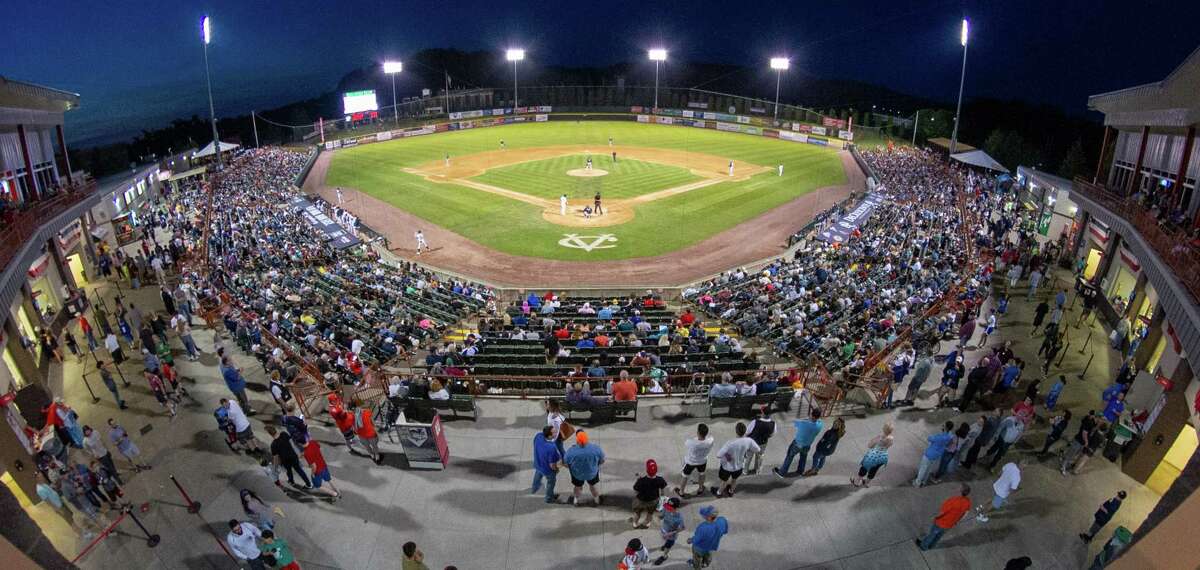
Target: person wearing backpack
{"points": [[364, 427], [760, 430], [280, 391]]}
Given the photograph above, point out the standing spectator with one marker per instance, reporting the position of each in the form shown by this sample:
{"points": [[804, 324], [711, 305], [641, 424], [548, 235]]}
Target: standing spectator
{"points": [[987, 433], [258, 510], [364, 428], [1058, 425], [695, 460], [1039, 314], [988, 329], [114, 349], [875, 458], [583, 461], [95, 447], [965, 332], [555, 419], [1081, 441], [125, 446], [949, 461], [951, 512], [707, 537], [414, 559], [241, 425], [243, 542], [672, 525], [107, 378], [646, 491], [827, 446], [1005, 485], [920, 375], [933, 453], [320, 469], [732, 457], [806, 432], [1011, 429], [1104, 514], [236, 383], [283, 454], [761, 429], [546, 461], [279, 551], [1055, 392], [47, 493]]}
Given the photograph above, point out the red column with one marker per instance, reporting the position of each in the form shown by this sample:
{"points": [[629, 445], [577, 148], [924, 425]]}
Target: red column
{"points": [[1103, 148], [28, 163], [1137, 170], [62, 143]]}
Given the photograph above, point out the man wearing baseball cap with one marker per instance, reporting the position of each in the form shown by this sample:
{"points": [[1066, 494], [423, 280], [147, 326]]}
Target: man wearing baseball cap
{"points": [[707, 538], [672, 525], [647, 490]]}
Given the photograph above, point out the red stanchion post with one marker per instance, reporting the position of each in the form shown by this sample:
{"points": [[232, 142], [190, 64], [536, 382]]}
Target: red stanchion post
{"points": [[102, 536], [193, 506]]}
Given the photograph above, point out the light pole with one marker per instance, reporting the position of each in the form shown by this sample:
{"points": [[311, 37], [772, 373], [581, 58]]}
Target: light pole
{"points": [[392, 68], [962, 79], [514, 55], [916, 125], [657, 55], [779, 64], [206, 33]]}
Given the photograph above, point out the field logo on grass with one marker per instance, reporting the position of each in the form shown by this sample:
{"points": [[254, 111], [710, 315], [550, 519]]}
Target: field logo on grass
{"points": [[588, 243]]}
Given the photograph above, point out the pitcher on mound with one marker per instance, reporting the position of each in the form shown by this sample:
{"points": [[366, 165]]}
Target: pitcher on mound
{"points": [[421, 243]]}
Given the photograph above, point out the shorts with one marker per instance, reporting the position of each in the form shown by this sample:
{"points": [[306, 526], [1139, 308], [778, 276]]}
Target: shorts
{"points": [[688, 468], [321, 476], [246, 434], [701, 557], [725, 475], [640, 506], [160, 396], [579, 482], [998, 501]]}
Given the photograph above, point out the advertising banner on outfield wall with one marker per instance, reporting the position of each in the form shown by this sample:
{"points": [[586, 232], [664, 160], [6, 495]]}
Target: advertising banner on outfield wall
{"points": [[457, 115], [817, 130], [384, 136], [666, 120], [791, 136], [846, 135], [643, 118], [839, 231], [743, 120], [689, 114], [818, 141], [698, 105], [832, 122], [710, 116], [637, 109], [759, 110], [727, 127], [541, 118]]}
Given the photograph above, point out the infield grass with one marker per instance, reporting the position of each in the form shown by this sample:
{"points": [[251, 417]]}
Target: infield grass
{"points": [[548, 178], [518, 228]]}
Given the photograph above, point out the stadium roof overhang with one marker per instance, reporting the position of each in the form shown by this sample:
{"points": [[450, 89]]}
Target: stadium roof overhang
{"points": [[980, 159], [1168, 104], [20, 95]]}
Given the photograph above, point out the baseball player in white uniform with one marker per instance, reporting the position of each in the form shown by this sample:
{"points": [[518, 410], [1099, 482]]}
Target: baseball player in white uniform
{"points": [[562, 205], [339, 195], [781, 170], [731, 168], [421, 243], [589, 163], [447, 159]]}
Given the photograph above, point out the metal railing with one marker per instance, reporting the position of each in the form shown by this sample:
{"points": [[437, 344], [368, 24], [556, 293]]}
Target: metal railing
{"points": [[1170, 245]]}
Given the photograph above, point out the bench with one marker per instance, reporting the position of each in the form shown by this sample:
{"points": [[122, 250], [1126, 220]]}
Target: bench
{"points": [[601, 411], [423, 410], [743, 406]]}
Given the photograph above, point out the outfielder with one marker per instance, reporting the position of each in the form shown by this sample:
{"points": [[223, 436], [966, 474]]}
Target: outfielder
{"points": [[421, 243], [781, 170]]}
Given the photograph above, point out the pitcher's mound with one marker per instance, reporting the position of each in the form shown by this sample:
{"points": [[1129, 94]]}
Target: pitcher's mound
{"points": [[585, 173]]}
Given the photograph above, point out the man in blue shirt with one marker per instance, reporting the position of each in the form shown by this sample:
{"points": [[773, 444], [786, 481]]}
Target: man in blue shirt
{"points": [[545, 463], [806, 433], [605, 313], [596, 371], [933, 453], [583, 461], [722, 389], [236, 383], [707, 538]]}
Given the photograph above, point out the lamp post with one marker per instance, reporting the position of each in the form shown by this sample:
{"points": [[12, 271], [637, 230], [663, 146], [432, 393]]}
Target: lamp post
{"points": [[657, 55], [962, 79], [392, 68], [916, 125], [779, 64], [514, 55], [206, 34]]}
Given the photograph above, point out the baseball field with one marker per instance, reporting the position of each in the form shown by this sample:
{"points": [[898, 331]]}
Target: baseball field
{"points": [[662, 187]]}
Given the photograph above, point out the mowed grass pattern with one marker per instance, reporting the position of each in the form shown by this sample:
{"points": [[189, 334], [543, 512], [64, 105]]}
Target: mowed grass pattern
{"points": [[517, 228], [548, 178]]}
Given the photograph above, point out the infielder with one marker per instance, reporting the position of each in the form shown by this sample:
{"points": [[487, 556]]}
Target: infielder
{"points": [[614, 156], [501, 144], [610, 141], [589, 163], [562, 205], [421, 243], [731, 168], [781, 170], [448, 159]]}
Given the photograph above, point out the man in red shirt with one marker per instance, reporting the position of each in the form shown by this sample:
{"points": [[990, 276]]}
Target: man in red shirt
{"points": [[624, 390], [687, 318], [320, 470], [952, 511]]}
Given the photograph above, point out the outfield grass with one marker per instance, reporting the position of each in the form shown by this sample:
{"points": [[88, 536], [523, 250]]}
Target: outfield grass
{"points": [[518, 228], [548, 179]]}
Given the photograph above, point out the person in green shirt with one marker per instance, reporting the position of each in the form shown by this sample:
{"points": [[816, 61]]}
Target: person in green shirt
{"points": [[278, 549], [414, 559]]}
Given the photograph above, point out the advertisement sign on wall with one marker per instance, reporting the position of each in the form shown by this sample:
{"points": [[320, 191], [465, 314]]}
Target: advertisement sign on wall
{"points": [[846, 135], [697, 105], [791, 136], [743, 120], [541, 118], [817, 130], [840, 230], [384, 136], [666, 120], [818, 141], [759, 110], [336, 235]]}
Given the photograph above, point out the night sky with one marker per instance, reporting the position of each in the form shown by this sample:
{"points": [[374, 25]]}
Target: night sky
{"points": [[139, 64]]}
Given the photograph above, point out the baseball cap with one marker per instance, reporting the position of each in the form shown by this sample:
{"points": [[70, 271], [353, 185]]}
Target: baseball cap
{"points": [[651, 467], [708, 511]]}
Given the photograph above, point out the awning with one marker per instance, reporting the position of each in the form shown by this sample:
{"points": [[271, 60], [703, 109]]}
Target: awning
{"points": [[208, 150], [980, 159], [187, 173]]}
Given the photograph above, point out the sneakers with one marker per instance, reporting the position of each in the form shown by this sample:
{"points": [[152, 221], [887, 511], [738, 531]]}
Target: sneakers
{"points": [[715, 492], [982, 518], [551, 500], [1084, 537], [778, 473], [659, 561]]}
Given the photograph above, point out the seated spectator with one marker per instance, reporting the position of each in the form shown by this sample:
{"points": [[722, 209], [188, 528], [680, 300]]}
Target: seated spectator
{"points": [[596, 371], [437, 391], [724, 389], [578, 394], [624, 389]]}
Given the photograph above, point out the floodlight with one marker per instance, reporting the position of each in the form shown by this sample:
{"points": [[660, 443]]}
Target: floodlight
{"points": [[965, 27], [658, 54], [780, 63], [514, 55], [392, 67], [206, 30]]}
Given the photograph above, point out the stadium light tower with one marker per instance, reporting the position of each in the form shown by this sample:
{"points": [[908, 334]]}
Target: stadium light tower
{"points": [[514, 55], [780, 65], [657, 55], [962, 79], [392, 68], [206, 35]]}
